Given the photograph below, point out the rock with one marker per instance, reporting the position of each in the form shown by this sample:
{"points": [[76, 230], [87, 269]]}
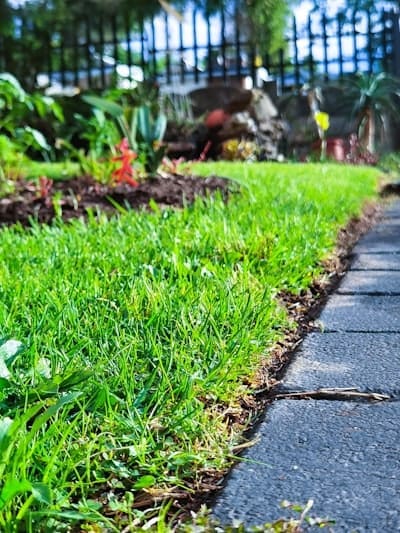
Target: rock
{"points": [[238, 125], [263, 108], [216, 118], [242, 115], [231, 99]]}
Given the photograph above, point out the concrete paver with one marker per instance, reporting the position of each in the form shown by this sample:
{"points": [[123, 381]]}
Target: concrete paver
{"points": [[361, 313], [342, 454], [382, 240], [371, 282], [346, 360], [392, 211], [376, 261]]}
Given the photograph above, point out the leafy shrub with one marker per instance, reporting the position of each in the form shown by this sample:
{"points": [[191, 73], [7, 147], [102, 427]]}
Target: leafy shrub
{"points": [[18, 111]]}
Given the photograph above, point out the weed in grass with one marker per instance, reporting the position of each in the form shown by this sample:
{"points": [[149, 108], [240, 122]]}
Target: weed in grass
{"points": [[203, 522], [30, 448]]}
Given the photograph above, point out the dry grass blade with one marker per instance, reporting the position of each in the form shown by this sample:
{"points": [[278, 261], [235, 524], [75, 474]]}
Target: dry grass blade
{"points": [[333, 394]]}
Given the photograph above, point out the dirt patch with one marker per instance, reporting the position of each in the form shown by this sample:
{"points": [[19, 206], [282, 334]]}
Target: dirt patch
{"points": [[74, 198]]}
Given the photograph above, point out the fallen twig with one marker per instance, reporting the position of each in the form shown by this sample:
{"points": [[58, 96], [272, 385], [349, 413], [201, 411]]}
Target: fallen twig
{"points": [[333, 394]]}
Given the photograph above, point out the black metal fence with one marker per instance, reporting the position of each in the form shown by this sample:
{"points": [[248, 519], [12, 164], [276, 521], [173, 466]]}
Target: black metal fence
{"points": [[101, 52]]}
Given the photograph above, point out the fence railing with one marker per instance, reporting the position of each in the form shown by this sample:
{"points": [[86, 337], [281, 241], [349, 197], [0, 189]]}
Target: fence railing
{"points": [[97, 53]]}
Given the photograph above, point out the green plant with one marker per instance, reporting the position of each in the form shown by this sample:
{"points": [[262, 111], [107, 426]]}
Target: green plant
{"points": [[151, 129], [30, 399], [22, 384], [374, 97], [10, 163], [88, 163], [101, 133], [203, 522], [178, 108], [390, 163], [125, 117], [143, 130], [17, 108]]}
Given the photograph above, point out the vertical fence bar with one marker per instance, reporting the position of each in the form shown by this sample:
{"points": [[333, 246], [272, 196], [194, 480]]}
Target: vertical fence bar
{"points": [[167, 48], [153, 50], [209, 49], [310, 48], [75, 54], [325, 46], [9, 49], [142, 39], [384, 42], [36, 64], [340, 44], [6, 47], [354, 35], [62, 59], [19, 69], [115, 42], [23, 33], [370, 36], [195, 46], [50, 56], [238, 42], [268, 63], [181, 54], [223, 45], [87, 50], [128, 40], [101, 52], [296, 53], [281, 67], [395, 43]]}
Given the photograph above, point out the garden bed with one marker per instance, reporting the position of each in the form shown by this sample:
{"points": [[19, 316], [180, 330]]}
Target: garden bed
{"points": [[74, 198]]}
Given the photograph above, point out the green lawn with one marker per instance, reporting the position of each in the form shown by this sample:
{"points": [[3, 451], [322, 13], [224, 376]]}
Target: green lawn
{"points": [[136, 331]]}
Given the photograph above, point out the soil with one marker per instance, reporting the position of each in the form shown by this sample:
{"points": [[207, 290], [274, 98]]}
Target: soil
{"points": [[74, 198]]}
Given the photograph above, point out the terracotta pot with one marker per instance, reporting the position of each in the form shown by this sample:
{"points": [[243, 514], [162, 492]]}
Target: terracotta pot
{"points": [[336, 148]]}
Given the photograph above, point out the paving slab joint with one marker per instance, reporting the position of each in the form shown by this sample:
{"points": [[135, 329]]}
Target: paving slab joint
{"points": [[344, 292]]}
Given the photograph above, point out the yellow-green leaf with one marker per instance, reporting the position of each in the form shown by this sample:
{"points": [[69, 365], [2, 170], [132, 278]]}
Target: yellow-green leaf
{"points": [[322, 120]]}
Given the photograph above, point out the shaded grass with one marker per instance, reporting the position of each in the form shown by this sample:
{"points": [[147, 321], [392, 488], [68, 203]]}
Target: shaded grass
{"points": [[164, 316]]}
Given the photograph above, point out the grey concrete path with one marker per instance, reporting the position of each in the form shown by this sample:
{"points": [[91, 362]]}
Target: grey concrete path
{"points": [[343, 454]]}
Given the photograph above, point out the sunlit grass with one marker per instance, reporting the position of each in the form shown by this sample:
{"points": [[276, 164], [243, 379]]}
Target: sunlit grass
{"points": [[148, 321], [51, 170]]}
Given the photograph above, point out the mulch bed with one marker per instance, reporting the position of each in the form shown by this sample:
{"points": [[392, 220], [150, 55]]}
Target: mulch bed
{"points": [[73, 198]]}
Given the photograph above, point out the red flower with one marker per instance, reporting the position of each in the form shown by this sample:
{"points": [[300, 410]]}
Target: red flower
{"points": [[125, 173], [45, 186]]}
